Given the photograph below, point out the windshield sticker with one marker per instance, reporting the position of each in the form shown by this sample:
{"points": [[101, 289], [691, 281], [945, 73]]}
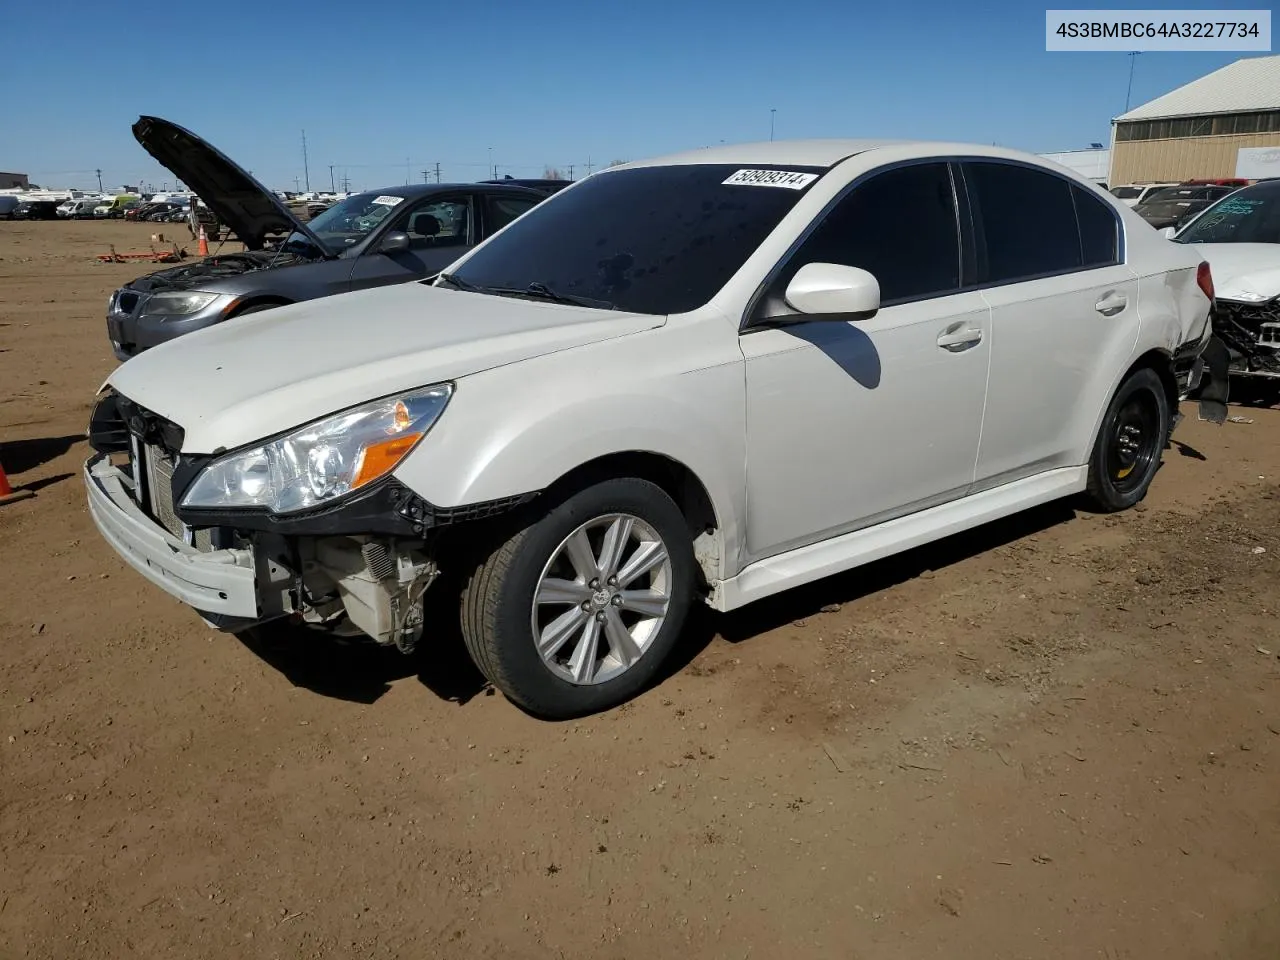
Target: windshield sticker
{"points": [[1237, 205], [772, 178], [387, 201]]}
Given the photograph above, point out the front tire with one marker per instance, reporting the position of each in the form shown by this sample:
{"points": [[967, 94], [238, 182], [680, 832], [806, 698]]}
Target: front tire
{"points": [[1127, 451], [577, 611]]}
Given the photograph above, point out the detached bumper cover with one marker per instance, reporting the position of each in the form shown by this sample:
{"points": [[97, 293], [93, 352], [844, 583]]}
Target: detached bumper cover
{"points": [[218, 582], [1202, 371]]}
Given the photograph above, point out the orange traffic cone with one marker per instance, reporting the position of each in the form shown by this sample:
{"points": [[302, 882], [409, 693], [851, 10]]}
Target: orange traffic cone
{"points": [[203, 248], [8, 494]]}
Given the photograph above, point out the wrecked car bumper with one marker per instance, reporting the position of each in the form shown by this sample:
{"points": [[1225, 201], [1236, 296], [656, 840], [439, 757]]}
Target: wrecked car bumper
{"points": [[1202, 370], [220, 582], [1251, 332]]}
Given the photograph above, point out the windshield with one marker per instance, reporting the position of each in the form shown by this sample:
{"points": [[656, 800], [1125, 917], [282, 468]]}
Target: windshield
{"points": [[646, 240], [1126, 193], [349, 221], [1251, 215]]}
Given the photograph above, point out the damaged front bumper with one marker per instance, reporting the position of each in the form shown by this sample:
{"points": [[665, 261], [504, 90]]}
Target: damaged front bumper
{"points": [[1251, 333], [217, 582]]}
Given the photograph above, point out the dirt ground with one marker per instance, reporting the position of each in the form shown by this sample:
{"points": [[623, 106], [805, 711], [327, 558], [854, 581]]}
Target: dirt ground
{"points": [[1055, 738]]}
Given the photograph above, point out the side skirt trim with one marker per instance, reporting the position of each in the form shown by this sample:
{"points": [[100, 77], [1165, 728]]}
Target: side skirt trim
{"points": [[815, 561]]}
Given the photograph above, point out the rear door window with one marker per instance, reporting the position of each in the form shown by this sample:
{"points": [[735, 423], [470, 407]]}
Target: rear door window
{"points": [[1099, 229], [1025, 220], [499, 211]]}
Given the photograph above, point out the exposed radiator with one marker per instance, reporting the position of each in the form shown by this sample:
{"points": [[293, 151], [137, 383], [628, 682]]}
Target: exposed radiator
{"points": [[160, 483]]}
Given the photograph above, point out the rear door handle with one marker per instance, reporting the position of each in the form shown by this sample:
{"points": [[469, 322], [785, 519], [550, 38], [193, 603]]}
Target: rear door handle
{"points": [[958, 337], [1111, 304]]}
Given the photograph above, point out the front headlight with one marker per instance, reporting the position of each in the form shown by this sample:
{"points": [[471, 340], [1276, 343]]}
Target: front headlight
{"points": [[178, 304], [322, 461]]}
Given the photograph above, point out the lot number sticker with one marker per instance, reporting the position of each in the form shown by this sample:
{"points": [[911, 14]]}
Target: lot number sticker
{"points": [[772, 178], [387, 201]]}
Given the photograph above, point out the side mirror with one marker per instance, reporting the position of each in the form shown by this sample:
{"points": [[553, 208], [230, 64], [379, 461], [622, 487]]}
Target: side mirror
{"points": [[397, 241], [833, 289], [1168, 232]]}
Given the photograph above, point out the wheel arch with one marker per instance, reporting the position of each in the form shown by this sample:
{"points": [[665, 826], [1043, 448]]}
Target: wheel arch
{"points": [[261, 300], [675, 479], [1154, 358]]}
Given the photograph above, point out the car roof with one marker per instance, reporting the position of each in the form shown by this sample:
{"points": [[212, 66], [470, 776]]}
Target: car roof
{"points": [[412, 191], [824, 153]]}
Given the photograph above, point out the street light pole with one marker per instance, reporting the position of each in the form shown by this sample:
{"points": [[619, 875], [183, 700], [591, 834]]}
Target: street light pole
{"points": [[772, 111], [1129, 92]]}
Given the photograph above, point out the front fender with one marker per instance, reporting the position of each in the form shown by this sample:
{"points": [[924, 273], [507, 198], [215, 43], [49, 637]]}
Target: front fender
{"points": [[489, 445]]}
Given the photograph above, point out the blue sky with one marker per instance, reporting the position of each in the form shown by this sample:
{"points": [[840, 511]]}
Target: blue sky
{"points": [[374, 83]]}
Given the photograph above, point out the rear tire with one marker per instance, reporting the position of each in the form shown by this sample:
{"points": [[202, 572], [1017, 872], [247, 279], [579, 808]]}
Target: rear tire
{"points": [[557, 616], [1130, 442]]}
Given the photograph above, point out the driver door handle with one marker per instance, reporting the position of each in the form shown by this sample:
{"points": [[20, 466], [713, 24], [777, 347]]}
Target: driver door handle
{"points": [[1111, 304]]}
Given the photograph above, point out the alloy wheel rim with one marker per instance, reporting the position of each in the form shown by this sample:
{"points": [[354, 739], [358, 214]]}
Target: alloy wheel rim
{"points": [[601, 599]]}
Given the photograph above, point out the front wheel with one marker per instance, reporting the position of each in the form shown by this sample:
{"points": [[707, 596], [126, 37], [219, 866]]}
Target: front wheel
{"points": [[577, 611], [1126, 454]]}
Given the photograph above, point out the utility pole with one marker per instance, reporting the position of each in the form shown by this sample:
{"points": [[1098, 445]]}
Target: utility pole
{"points": [[295, 185], [306, 170], [406, 171], [331, 185], [425, 176], [588, 165], [571, 171], [437, 171], [346, 184], [99, 173], [1129, 93], [772, 112], [491, 165]]}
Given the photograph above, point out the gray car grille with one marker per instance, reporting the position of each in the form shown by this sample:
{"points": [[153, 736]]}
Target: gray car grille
{"points": [[160, 483]]}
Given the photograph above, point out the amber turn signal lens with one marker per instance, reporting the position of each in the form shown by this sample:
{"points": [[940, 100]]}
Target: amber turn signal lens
{"points": [[381, 457]]}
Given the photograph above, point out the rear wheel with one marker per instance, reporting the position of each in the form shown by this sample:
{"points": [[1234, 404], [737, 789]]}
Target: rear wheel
{"points": [[577, 611], [1134, 431]]}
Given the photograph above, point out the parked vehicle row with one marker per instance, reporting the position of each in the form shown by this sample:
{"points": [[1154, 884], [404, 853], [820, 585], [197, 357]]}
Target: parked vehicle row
{"points": [[608, 408]]}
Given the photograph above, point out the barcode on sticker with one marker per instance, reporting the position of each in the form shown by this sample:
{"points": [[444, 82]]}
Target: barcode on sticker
{"points": [[789, 179], [387, 201]]}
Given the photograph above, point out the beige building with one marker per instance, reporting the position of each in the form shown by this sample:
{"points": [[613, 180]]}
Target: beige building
{"points": [[1195, 131]]}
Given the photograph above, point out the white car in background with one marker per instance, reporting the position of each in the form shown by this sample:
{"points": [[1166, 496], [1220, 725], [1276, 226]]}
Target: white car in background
{"points": [[1240, 237], [712, 376]]}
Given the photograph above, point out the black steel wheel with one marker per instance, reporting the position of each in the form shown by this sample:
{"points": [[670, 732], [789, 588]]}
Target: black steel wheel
{"points": [[1134, 432]]}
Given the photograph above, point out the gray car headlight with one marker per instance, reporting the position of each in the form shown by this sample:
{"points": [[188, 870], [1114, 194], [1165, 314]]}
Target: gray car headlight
{"points": [[324, 460], [179, 303]]}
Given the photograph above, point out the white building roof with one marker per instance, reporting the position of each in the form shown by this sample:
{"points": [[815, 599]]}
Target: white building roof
{"points": [[1249, 84]]}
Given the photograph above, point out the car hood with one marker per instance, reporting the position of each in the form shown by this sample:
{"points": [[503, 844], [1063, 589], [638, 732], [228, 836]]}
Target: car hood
{"points": [[236, 199], [265, 373], [1243, 271]]}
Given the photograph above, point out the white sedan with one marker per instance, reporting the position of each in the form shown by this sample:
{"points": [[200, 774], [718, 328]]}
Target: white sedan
{"points": [[712, 376]]}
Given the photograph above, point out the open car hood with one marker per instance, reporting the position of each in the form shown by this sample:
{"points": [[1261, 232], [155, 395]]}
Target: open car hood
{"points": [[236, 199]]}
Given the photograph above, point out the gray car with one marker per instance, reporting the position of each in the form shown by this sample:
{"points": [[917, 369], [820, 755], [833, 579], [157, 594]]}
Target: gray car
{"points": [[392, 235]]}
